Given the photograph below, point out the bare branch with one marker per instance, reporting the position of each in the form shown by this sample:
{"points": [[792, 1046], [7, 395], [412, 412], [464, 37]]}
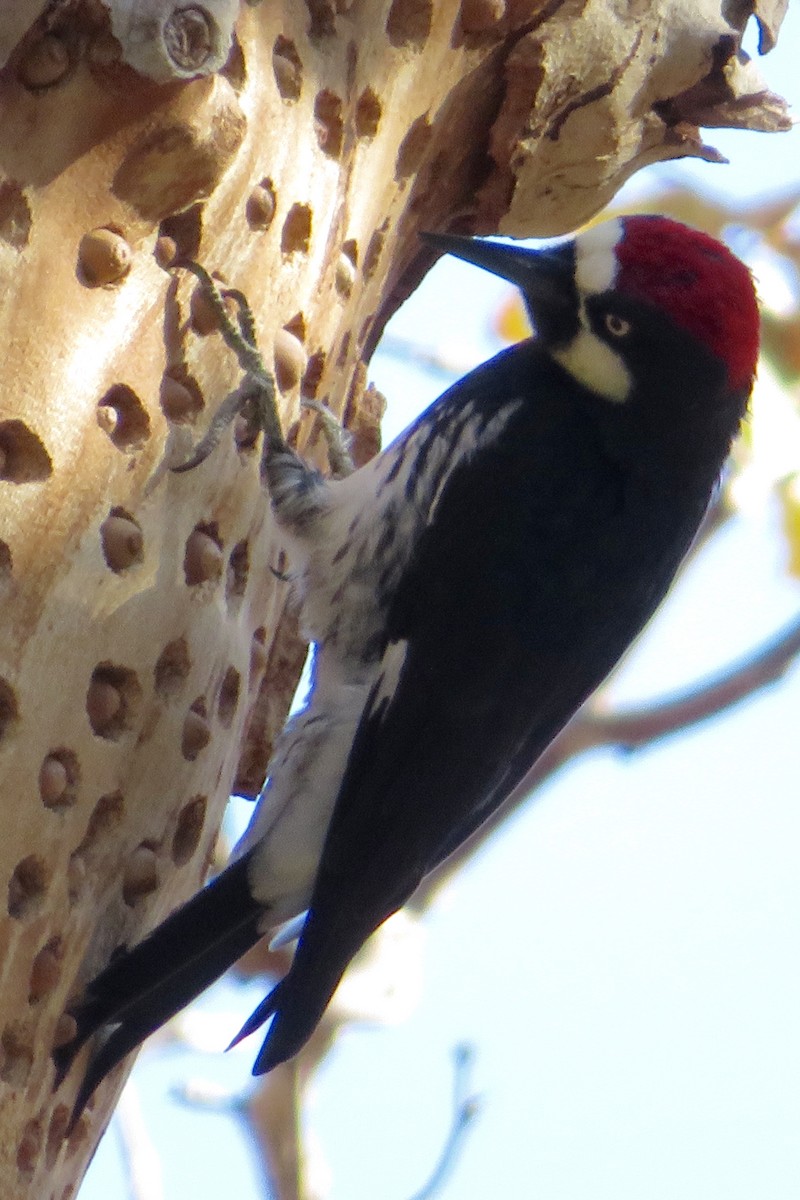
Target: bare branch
{"points": [[630, 729], [465, 1108], [636, 727]]}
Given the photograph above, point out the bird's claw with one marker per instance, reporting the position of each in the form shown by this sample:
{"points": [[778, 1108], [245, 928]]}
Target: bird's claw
{"points": [[337, 439], [257, 391]]}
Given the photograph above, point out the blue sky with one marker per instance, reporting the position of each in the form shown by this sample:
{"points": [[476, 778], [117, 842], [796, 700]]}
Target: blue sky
{"points": [[623, 956]]}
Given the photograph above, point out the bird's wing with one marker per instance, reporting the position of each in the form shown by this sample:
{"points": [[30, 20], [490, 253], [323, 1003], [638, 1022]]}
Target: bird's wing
{"points": [[483, 666]]}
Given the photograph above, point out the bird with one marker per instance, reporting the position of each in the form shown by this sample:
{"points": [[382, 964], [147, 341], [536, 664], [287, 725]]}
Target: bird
{"points": [[465, 592]]}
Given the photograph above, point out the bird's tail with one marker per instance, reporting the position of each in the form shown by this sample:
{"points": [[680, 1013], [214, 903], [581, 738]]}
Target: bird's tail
{"points": [[298, 1002], [142, 988]]}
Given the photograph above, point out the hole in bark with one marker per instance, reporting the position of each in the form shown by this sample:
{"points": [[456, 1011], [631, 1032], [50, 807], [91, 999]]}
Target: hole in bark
{"points": [[122, 540], [245, 434], [412, 148], [187, 35], [140, 874], [297, 326], [165, 252], [29, 1147], [189, 828], [46, 970], [56, 1132], [481, 16], [238, 571], [374, 250], [228, 697], [172, 668], [64, 1030], [409, 22], [365, 327], [180, 396], [23, 458], [104, 257], [328, 123], [15, 216], [111, 700], [346, 268], [368, 113], [45, 64], [322, 14], [313, 374], [123, 417], [75, 1142], [258, 652], [185, 229], [76, 877], [203, 558], [16, 1059], [235, 69], [260, 206], [106, 818], [59, 776], [27, 886], [288, 69], [296, 232], [196, 730], [290, 358], [9, 712], [202, 312]]}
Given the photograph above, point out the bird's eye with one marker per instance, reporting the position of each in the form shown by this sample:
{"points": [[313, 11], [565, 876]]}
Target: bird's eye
{"points": [[617, 326]]}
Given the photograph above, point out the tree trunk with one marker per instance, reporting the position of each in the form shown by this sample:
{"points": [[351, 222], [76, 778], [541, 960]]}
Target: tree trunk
{"points": [[296, 150]]}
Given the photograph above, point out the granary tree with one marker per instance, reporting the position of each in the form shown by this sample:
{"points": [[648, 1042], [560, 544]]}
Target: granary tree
{"points": [[149, 648]]}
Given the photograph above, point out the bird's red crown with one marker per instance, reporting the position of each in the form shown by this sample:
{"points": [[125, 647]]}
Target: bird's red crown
{"points": [[705, 288]]}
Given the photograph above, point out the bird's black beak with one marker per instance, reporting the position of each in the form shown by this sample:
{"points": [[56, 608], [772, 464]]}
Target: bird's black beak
{"points": [[545, 277]]}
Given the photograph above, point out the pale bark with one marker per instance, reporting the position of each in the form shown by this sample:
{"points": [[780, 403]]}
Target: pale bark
{"points": [[139, 608]]}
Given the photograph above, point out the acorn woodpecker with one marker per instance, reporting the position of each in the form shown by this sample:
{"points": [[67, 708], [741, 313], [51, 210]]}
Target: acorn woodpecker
{"points": [[465, 592]]}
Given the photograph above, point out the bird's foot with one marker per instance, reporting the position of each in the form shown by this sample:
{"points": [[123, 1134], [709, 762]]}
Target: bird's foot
{"points": [[297, 491], [255, 397], [337, 439]]}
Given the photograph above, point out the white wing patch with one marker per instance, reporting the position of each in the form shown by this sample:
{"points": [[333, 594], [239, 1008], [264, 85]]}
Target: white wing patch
{"points": [[392, 665], [476, 433]]}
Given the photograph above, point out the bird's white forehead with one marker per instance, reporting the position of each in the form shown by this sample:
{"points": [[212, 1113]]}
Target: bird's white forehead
{"points": [[595, 261]]}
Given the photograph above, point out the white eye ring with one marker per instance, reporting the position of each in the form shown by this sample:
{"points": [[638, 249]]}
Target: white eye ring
{"points": [[617, 326]]}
